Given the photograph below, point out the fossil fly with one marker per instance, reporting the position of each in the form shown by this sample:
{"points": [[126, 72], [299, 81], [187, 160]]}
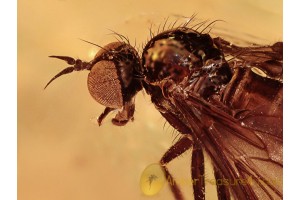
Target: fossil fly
{"points": [[223, 99]]}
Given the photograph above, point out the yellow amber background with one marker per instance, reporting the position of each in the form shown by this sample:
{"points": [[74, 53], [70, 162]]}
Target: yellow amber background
{"points": [[62, 153]]}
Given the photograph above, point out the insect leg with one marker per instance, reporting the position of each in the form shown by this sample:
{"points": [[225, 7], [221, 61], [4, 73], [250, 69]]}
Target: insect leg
{"points": [[222, 190], [126, 114], [173, 185], [198, 178], [176, 150], [104, 114], [122, 117]]}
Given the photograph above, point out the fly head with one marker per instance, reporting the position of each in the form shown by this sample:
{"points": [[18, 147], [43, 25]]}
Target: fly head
{"points": [[114, 79]]}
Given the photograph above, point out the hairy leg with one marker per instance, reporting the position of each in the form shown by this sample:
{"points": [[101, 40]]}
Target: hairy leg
{"points": [[176, 150]]}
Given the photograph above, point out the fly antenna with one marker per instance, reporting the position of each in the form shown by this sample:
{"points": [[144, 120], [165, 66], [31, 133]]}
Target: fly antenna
{"points": [[76, 65], [65, 71]]}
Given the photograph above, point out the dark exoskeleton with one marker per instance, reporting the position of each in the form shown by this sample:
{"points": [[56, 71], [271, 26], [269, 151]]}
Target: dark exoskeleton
{"points": [[223, 99]]}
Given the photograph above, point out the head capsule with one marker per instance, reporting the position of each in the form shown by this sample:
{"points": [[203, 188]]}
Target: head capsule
{"points": [[114, 78]]}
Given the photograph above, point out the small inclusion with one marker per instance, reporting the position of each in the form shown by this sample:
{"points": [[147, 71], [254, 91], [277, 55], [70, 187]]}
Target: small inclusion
{"points": [[152, 179]]}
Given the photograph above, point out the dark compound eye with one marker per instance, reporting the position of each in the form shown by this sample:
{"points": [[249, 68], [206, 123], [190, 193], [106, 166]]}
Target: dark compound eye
{"points": [[104, 84], [110, 81]]}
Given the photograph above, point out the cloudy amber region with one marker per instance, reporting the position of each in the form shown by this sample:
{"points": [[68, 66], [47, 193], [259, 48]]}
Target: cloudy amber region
{"points": [[62, 153], [152, 179]]}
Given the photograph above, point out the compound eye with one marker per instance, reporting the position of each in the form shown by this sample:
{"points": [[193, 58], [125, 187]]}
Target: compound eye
{"points": [[104, 84]]}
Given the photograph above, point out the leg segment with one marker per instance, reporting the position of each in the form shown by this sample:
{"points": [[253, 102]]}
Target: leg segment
{"points": [[104, 114], [176, 150], [198, 172], [222, 190]]}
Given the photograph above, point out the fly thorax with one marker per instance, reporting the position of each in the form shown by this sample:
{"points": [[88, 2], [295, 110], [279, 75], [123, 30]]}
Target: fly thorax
{"points": [[187, 58], [168, 59], [211, 78]]}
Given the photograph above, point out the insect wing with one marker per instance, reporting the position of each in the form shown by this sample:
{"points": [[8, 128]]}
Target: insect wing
{"points": [[267, 58], [249, 160]]}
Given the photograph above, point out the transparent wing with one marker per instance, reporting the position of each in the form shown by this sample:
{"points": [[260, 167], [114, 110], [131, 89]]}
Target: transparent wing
{"points": [[266, 58]]}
